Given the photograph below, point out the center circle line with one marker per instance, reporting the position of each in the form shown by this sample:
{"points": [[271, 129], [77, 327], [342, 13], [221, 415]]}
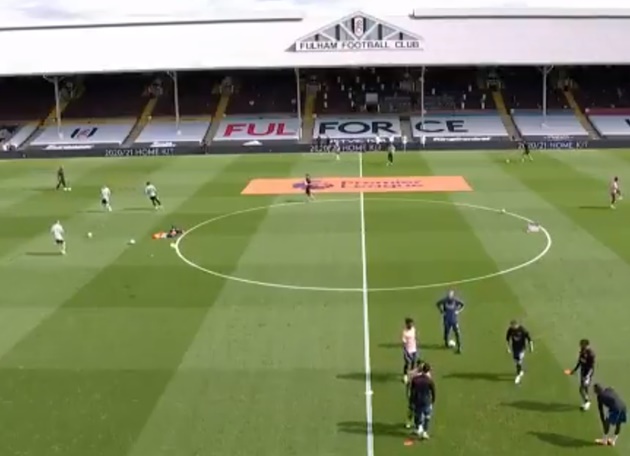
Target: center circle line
{"points": [[538, 257]]}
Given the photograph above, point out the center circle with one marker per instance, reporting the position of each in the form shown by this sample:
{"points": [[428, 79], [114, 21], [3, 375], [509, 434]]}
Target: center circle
{"points": [[441, 284]]}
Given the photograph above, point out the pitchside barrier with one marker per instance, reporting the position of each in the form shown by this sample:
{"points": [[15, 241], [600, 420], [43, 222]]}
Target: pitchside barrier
{"points": [[433, 144]]}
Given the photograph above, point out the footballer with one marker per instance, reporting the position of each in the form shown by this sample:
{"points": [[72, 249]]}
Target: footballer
{"points": [[450, 307], [106, 195], [586, 365], [152, 193], [612, 413], [58, 233], [615, 192], [390, 154], [308, 187], [410, 348], [61, 179], [527, 155], [422, 399], [518, 341]]}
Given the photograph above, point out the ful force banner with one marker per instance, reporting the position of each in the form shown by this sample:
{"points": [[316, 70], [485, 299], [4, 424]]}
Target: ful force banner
{"points": [[263, 129], [357, 127]]}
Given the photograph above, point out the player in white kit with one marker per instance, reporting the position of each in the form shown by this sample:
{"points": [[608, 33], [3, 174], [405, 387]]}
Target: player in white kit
{"points": [[106, 195], [615, 192], [152, 193], [58, 233]]}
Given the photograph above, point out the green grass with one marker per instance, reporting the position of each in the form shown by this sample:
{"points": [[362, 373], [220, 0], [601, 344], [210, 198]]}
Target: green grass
{"points": [[119, 350]]}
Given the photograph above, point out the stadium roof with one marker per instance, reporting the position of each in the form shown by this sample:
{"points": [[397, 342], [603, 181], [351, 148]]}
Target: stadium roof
{"points": [[481, 36]]}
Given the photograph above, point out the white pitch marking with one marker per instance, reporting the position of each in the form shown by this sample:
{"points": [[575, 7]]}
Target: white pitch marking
{"points": [[366, 326], [549, 243]]}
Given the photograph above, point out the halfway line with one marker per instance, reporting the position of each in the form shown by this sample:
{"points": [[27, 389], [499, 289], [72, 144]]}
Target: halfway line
{"points": [[366, 326]]}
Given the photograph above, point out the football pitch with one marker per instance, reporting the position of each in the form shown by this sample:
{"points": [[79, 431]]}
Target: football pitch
{"points": [[272, 328]]}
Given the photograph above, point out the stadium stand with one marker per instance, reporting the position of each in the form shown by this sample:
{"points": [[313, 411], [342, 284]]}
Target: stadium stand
{"points": [[25, 99], [601, 88], [269, 92], [506, 96], [199, 94], [523, 88], [389, 91], [110, 97]]}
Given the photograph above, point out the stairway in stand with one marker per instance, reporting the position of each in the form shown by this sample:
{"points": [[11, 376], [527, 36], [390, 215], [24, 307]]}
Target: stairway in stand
{"points": [[141, 122], [582, 118], [224, 101], [308, 116], [506, 117]]}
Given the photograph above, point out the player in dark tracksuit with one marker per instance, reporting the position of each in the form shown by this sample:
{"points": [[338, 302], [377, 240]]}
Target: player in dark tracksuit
{"points": [[61, 179], [450, 307], [526, 152], [518, 340], [586, 365], [308, 187], [614, 414], [422, 398]]}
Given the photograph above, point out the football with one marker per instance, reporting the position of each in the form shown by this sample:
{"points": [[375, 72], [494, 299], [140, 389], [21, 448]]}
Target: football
{"points": [[451, 343], [89, 235]]}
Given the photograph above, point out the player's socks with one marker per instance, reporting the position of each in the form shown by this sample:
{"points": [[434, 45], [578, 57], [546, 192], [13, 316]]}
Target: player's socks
{"points": [[420, 431], [519, 377], [405, 379]]}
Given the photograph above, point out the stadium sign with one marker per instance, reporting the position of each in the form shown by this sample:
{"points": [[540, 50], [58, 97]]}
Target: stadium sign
{"points": [[261, 129], [434, 126], [357, 127], [359, 32]]}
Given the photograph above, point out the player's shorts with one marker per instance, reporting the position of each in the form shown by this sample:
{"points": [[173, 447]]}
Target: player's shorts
{"points": [[518, 354], [390, 156], [59, 241], [616, 417], [410, 358], [153, 199], [104, 201], [307, 190], [586, 378], [450, 325], [423, 410]]}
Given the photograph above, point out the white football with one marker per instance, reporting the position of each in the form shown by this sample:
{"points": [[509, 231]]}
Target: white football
{"points": [[89, 235], [451, 343], [69, 189], [132, 241], [173, 245]]}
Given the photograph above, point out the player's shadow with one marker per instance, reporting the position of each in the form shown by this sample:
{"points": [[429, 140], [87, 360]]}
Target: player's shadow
{"points": [[383, 429], [43, 254], [480, 376], [422, 347], [546, 407], [376, 377], [594, 208], [563, 441], [138, 209]]}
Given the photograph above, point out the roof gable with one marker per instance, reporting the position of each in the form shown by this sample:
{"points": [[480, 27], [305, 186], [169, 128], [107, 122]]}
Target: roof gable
{"points": [[356, 32]]}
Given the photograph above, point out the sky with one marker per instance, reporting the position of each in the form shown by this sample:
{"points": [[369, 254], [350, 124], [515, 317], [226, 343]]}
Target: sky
{"points": [[33, 12]]}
